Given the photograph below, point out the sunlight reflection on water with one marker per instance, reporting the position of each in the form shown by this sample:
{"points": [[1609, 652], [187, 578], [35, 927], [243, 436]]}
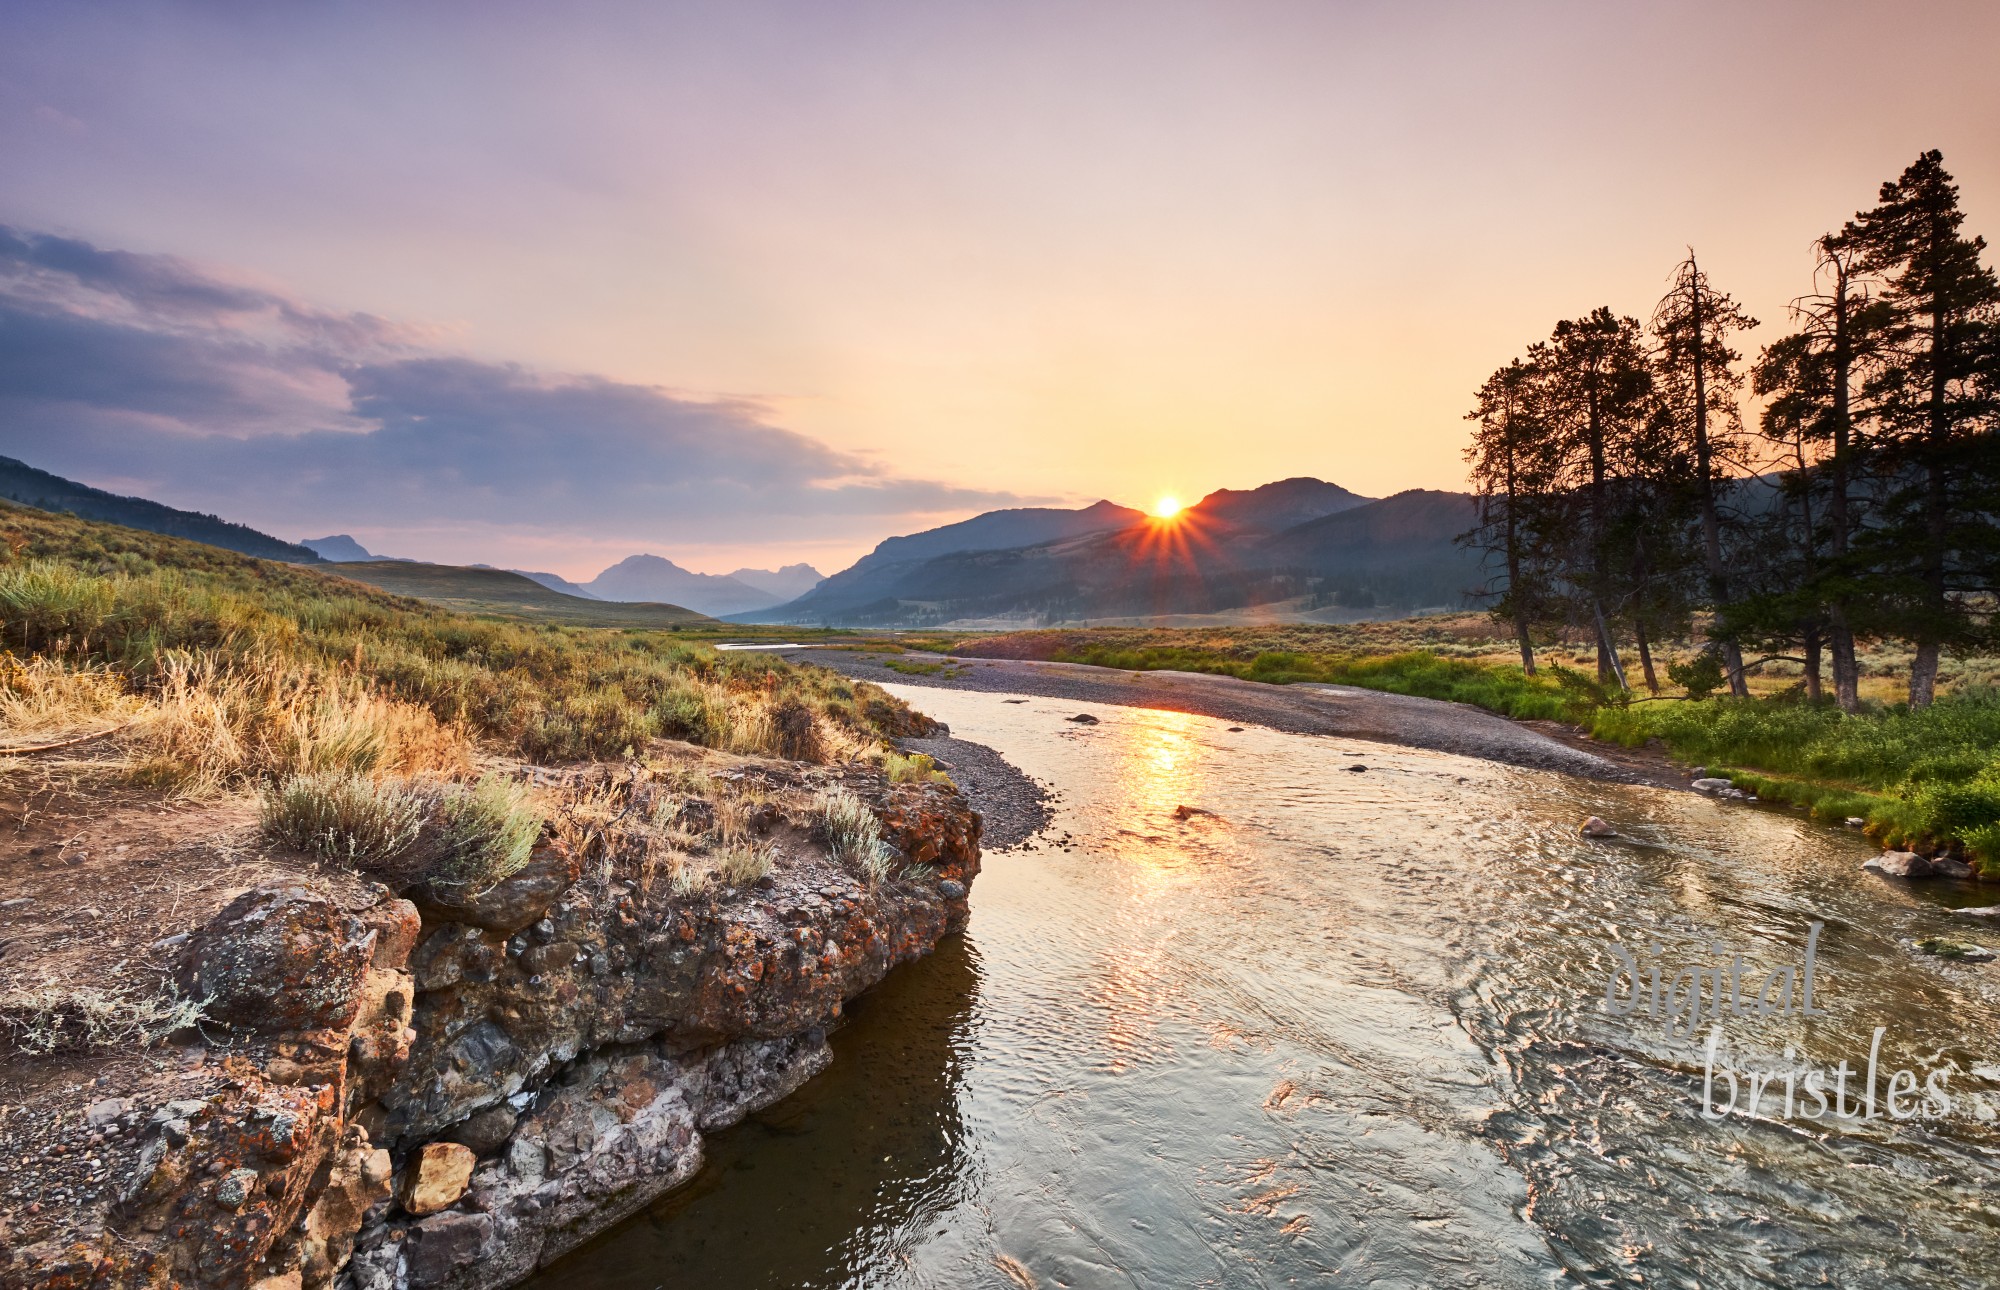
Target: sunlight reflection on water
{"points": [[1340, 1031]]}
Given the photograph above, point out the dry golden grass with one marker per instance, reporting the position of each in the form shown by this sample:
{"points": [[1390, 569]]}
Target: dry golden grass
{"points": [[43, 698], [213, 725]]}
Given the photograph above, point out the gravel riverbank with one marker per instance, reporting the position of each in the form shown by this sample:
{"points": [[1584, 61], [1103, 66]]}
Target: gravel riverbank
{"points": [[1012, 806], [1297, 709]]}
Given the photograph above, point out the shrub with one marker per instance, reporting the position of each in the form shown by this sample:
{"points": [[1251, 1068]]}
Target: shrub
{"points": [[853, 835], [917, 768], [742, 863], [1700, 676], [350, 819], [795, 733], [69, 1018], [479, 836]]}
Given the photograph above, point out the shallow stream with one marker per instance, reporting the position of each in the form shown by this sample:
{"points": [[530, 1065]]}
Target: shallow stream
{"points": [[1347, 1027]]}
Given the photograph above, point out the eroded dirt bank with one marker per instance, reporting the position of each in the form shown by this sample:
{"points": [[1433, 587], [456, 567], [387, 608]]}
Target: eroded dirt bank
{"points": [[425, 1089]]}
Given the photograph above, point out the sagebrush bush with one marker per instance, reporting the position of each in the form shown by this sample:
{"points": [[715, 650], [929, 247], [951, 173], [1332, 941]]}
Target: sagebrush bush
{"points": [[351, 819], [853, 835], [479, 835], [52, 1018], [742, 863]]}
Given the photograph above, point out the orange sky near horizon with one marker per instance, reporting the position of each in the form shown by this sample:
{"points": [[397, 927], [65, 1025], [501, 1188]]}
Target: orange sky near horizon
{"points": [[1064, 251]]}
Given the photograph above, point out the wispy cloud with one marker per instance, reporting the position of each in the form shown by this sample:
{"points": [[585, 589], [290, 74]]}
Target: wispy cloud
{"points": [[151, 374]]}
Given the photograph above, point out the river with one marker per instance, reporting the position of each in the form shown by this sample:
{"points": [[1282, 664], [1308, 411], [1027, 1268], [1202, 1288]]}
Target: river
{"points": [[1347, 1027]]}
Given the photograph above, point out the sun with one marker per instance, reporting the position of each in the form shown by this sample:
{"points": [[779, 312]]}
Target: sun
{"points": [[1166, 508]]}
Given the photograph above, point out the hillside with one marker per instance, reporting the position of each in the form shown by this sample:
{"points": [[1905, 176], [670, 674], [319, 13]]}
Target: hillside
{"points": [[496, 591], [20, 482]]}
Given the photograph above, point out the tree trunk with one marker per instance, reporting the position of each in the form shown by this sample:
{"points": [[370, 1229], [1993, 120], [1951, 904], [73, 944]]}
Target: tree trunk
{"points": [[1608, 667], [1923, 672], [1812, 643], [1846, 672], [1923, 675], [1514, 557], [1645, 654], [1846, 669]]}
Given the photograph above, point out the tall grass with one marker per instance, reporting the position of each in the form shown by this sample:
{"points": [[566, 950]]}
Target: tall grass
{"points": [[237, 647]]}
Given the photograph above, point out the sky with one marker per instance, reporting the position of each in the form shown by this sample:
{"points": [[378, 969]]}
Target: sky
{"points": [[746, 283]]}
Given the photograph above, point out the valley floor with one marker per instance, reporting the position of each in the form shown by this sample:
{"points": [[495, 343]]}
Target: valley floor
{"points": [[1297, 709]]}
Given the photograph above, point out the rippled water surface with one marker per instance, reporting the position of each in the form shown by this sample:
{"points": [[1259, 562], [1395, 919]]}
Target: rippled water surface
{"points": [[1348, 1030]]}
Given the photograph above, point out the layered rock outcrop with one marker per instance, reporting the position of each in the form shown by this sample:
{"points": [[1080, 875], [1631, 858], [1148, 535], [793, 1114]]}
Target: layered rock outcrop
{"points": [[450, 1091]]}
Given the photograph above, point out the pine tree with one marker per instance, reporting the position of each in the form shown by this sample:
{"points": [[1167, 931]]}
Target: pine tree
{"points": [[1936, 406], [1697, 380], [1596, 391], [1510, 475]]}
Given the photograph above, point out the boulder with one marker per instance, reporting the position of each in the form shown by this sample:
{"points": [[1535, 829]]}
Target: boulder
{"points": [[359, 1178], [1900, 864], [279, 958], [1083, 719], [437, 1176], [485, 1132], [441, 1247], [510, 904], [1950, 867], [1597, 828], [1711, 785]]}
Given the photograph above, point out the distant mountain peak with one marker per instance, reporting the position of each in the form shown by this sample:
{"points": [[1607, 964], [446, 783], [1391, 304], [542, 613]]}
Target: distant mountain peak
{"points": [[654, 577], [340, 548], [1277, 506]]}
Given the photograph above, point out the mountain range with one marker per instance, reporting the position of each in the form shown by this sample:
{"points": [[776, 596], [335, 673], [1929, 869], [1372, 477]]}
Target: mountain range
{"points": [[1298, 548], [655, 578]]}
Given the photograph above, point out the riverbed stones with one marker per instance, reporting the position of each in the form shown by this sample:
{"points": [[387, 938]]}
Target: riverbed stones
{"points": [[1900, 864], [437, 1176], [1946, 948], [1594, 827]]}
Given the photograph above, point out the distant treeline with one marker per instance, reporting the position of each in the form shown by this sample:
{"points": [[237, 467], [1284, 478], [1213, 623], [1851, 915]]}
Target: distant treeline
{"points": [[20, 482], [1621, 493]]}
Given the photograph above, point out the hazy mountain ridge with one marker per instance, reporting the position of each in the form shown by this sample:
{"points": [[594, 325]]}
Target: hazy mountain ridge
{"points": [[787, 583], [1311, 546], [20, 482], [339, 548], [655, 578]]}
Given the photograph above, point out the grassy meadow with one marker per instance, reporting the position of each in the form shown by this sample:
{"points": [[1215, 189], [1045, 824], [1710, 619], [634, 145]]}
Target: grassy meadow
{"points": [[361, 717]]}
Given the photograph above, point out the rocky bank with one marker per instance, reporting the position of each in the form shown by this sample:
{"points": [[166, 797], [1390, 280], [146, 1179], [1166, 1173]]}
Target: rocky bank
{"points": [[432, 1090]]}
